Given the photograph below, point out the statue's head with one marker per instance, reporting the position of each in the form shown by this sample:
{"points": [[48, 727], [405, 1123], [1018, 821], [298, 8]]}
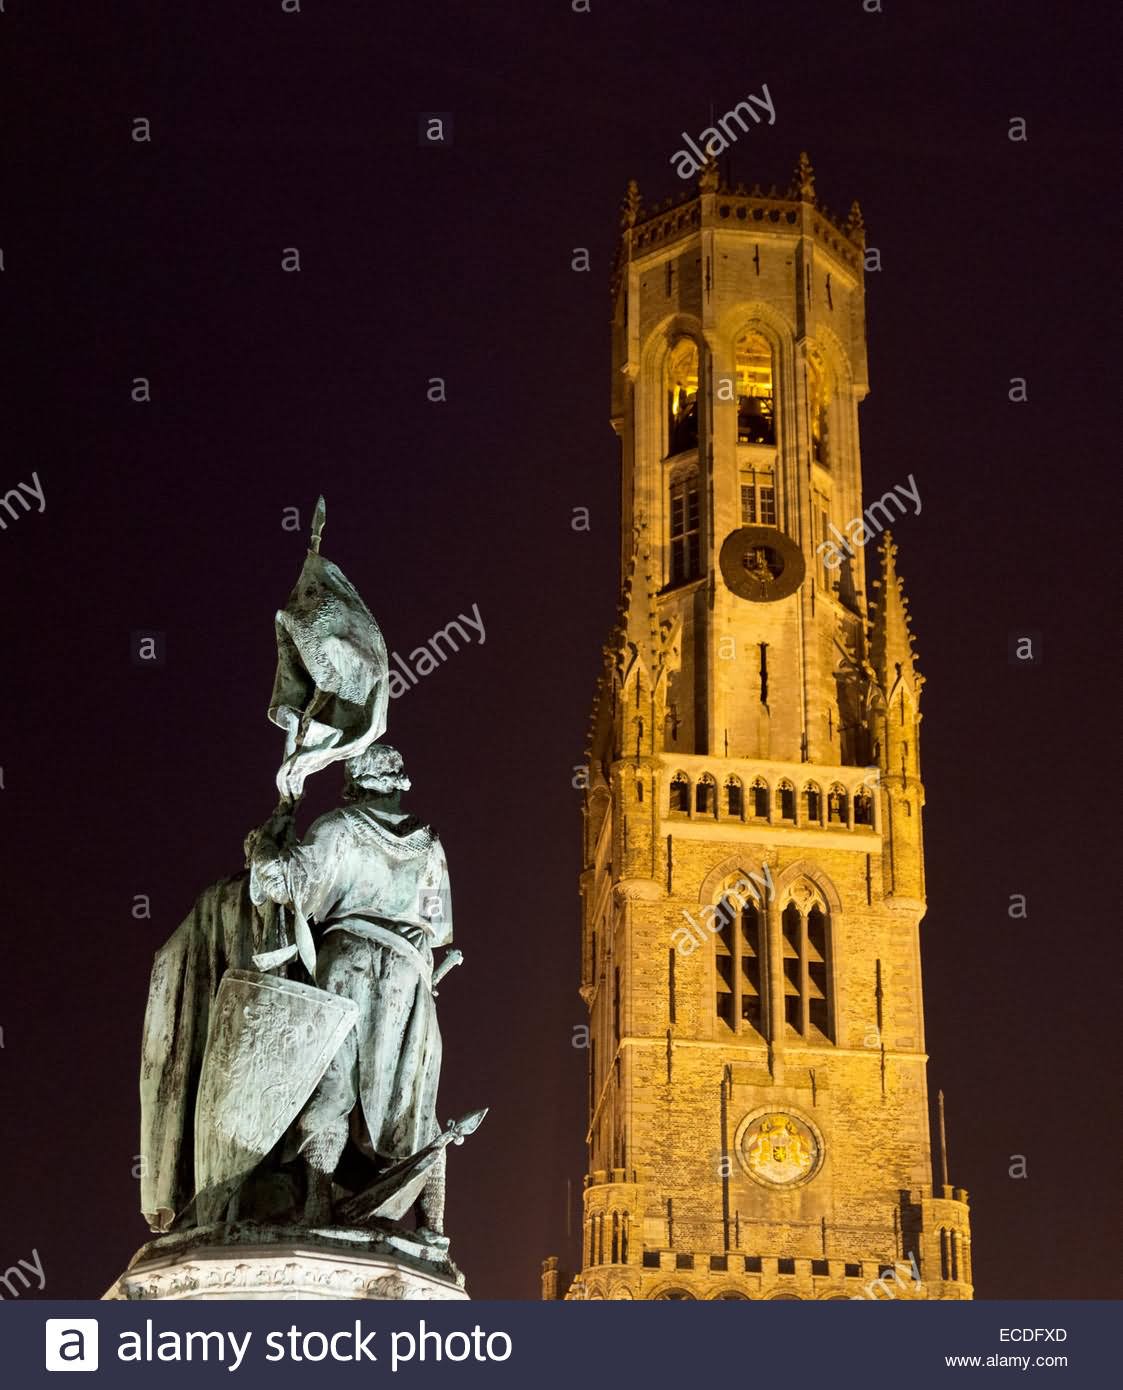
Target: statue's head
{"points": [[377, 771]]}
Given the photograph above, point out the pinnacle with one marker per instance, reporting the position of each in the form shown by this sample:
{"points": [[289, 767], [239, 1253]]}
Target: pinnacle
{"points": [[891, 640]]}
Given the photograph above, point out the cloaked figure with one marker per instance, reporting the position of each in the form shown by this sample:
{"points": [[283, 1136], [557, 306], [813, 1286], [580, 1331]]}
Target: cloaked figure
{"points": [[376, 882]]}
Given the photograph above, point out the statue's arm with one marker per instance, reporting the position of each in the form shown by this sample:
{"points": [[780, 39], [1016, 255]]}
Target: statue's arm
{"points": [[288, 873], [440, 915]]}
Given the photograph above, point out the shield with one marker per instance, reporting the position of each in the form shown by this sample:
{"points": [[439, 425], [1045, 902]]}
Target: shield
{"points": [[269, 1044]]}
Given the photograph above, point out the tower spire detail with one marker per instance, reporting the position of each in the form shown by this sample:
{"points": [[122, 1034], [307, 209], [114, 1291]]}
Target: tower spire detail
{"points": [[891, 639]]}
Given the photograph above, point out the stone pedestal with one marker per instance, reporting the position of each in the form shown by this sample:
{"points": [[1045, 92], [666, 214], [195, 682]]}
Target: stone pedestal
{"points": [[252, 1261]]}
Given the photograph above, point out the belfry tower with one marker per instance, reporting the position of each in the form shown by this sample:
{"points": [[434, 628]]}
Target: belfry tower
{"points": [[753, 878]]}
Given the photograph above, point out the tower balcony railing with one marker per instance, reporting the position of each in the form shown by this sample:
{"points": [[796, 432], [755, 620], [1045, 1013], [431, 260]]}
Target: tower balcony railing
{"points": [[782, 795]]}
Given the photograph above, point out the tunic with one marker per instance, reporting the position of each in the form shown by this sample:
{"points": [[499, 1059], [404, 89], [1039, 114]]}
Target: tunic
{"points": [[377, 884]]}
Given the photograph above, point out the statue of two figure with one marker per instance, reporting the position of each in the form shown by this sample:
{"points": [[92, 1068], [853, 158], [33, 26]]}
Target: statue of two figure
{"points": [[291, 1047]]}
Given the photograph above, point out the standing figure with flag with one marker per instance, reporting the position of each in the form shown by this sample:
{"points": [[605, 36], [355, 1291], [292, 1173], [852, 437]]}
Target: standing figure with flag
{"points": [[376, 881], [291, 1024]]}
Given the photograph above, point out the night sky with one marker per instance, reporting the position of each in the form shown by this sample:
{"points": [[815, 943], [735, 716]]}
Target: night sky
{"points": [[163, 260]]}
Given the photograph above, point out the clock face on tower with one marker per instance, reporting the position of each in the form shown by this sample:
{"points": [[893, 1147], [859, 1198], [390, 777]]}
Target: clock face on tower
{"points": [[760, 563]]}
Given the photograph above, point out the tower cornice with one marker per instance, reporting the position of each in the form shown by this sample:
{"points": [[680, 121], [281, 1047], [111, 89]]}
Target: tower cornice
{"points": [[718, 204]]}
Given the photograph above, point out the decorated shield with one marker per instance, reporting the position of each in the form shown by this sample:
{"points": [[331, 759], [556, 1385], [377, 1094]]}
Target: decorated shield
{"points": [[269, 1044]]}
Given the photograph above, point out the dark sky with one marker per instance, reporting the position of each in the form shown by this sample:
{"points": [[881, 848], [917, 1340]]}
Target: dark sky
{"points": [[163, 260]]}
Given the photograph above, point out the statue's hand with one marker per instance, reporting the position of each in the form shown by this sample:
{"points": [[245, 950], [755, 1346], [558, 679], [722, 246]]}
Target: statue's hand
{"points": [[278, 831]]}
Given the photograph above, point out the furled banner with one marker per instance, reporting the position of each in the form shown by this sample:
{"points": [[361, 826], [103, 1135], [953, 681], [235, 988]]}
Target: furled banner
{"points": [[332, 688]]}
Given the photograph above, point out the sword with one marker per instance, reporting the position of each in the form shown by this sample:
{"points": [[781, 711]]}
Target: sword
{"points": [[451, 958]]}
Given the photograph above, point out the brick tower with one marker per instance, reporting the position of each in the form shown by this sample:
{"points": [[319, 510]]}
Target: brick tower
{"points": [[754, 871]]}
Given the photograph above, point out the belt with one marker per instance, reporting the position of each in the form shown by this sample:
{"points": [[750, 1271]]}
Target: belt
{"points": [[374, 931]]}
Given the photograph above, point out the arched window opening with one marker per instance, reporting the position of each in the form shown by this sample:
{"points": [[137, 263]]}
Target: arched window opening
{"points": [[826, 547], [725, 948], [819, 400], [785, 801], [705, 796], [740, 979], [734, 798], [685, 530], [756, 415], [639, 790], [806, 973], [672, 1293], [760, 798], [680, 794], [838, 806], [793, 996], [813, 799], [615, 1237], [682, 397], [752, 962], [863, 808], [817, 1013]]}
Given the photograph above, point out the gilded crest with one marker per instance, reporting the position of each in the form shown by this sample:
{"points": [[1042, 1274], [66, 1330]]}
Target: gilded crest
{"points": [[779, 1149]]}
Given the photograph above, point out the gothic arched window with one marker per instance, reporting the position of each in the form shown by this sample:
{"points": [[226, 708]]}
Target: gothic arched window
{"points": [[725, 966], [680, 794], [682, 397], [819, 395], [740, 970], [705, 795], [813, 803], [759, 801], [734, 798], [806, 983], [838, 806], [785, 801], [863, 808], [756, 402]]}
